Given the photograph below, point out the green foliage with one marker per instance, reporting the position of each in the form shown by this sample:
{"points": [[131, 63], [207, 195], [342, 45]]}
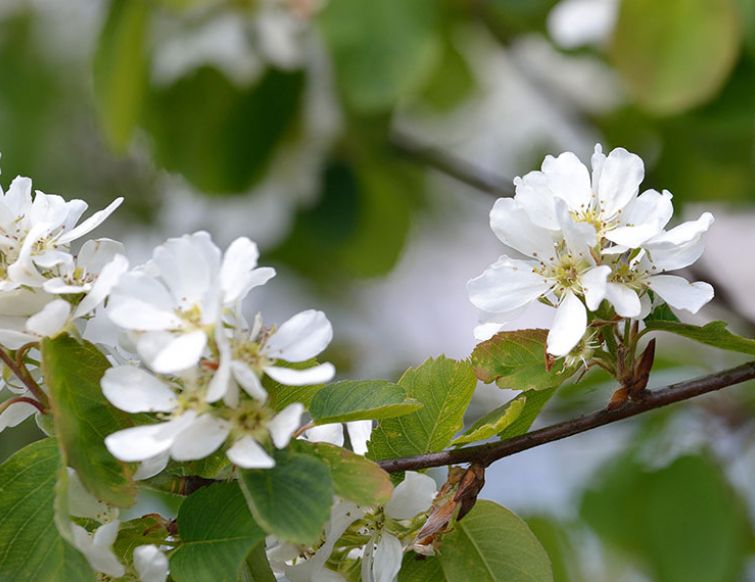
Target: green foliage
{"points": [[220, 137], [713, 334], [494, 422], [257, 568], [30, 546], [684, 521], [444, 387], [121, 69], [534, 402], [360, 400], [382, 50], [354, 478], [291, 500], [83, 417], [281, 395], [217, 532], [516, 359], [145, 530], [675, 54], [490, 544]]}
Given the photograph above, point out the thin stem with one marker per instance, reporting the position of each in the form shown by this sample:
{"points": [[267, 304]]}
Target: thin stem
{"points": [[6, 403], [488, 453], [22, 351], [23, 374]]}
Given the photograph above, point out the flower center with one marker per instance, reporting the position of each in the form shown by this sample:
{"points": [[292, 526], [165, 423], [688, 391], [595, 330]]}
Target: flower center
{"points": [[251, 419]]}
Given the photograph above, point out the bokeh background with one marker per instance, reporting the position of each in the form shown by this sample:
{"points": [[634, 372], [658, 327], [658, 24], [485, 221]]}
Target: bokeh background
{"points": [[335, 134]]}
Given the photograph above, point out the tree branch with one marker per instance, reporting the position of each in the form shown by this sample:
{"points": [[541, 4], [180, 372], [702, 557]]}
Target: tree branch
{"points": [[488, 453], [451, 165]]}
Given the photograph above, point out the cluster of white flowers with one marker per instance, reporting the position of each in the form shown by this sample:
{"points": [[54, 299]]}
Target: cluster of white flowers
{"points": [[585, 240], [377, 536]]}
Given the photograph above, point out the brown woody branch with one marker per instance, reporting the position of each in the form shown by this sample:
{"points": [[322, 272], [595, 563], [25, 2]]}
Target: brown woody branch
{"points": [[650, 400]]}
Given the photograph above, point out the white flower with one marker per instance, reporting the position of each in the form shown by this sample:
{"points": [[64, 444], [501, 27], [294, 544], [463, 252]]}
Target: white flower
{"points": [[561, 268], [194, 429], [97, 548], [248, 355], [81, 503], [174, 302], [359, 434], [16, 413], [383, 553], [150, 563]]}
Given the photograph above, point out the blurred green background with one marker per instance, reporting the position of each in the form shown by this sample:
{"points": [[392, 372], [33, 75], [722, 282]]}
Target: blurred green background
{"points": [[330, 131]]}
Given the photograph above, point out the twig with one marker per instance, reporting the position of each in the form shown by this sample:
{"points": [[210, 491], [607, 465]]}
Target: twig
{"points": [[488, 453], [449, 164], [16, 399], [23, 374]]}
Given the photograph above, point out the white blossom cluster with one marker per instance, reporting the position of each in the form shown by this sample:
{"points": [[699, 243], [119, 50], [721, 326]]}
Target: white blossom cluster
{"points": [[577, 240]]}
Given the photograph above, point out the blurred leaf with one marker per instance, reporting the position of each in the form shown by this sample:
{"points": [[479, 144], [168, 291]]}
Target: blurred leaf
{"points": [[415, 568], [713, 334], [354, 477], [145, 530], [508, 18], [220, 137], [445, 387], [121, 69], [451, 82], [492, 544], [675, 54], [217, 532], [662, 313], [561, 551], [257, 567], [292, 499], [534, 401], [83, 417], [683, 521], [30, 546], [516, 359], [382, 50], [493, 422], [360, 400], [747, 16]]}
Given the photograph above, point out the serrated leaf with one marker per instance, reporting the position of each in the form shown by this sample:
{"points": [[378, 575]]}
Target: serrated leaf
{"points": [[381, 50], [516, 360], [713, 334], [30, 546], [360, 400], [675, 54], [493, 422], [292, 499], [354, 477], [491, 544], [662, 313], [217, 533], [444, 387], [83, 417], [534, 401], [121, 69]]}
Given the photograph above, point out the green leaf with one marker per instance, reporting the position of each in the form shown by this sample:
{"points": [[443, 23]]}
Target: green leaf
{"points": [[30, 546], [281, 395], [416, 568], [492, 544], [684, 522], [360, 400], [516, 359], [354, 477], [675, 54], [291, 500], [220, 137], [138, 532], [713, 334], [83, 417], [444, 387], [257, 568], [662, 313], [494, 422], [121, 69], [217, 533], [382, 50], [534, 401]]}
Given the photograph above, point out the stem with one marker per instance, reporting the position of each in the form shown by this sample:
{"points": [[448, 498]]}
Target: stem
{"points": [[488, 453], [6, 403], [23, 374]]}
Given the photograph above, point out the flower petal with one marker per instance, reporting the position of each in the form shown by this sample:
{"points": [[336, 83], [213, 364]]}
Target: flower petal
{"points": [[306, 377], [537, 200], [413, 495], [135, 390], [51, 320], [285, 423], [106, 280], [95, 254], [152, 466], [621, 174], [387, 557], [189, 265], [247, 454], [144, 442], [513, 227], [360, 432], [90, 223], [680, 246], [326, 433], [680, 293], [594, 283], [200, 439], [15, 414], [506, 286], [644, 218], [569, 179], [150, 563], [166, 353], [249, 381], [141, 302], [568, 326], [625, 300], [300, 338], [238, 274]]}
